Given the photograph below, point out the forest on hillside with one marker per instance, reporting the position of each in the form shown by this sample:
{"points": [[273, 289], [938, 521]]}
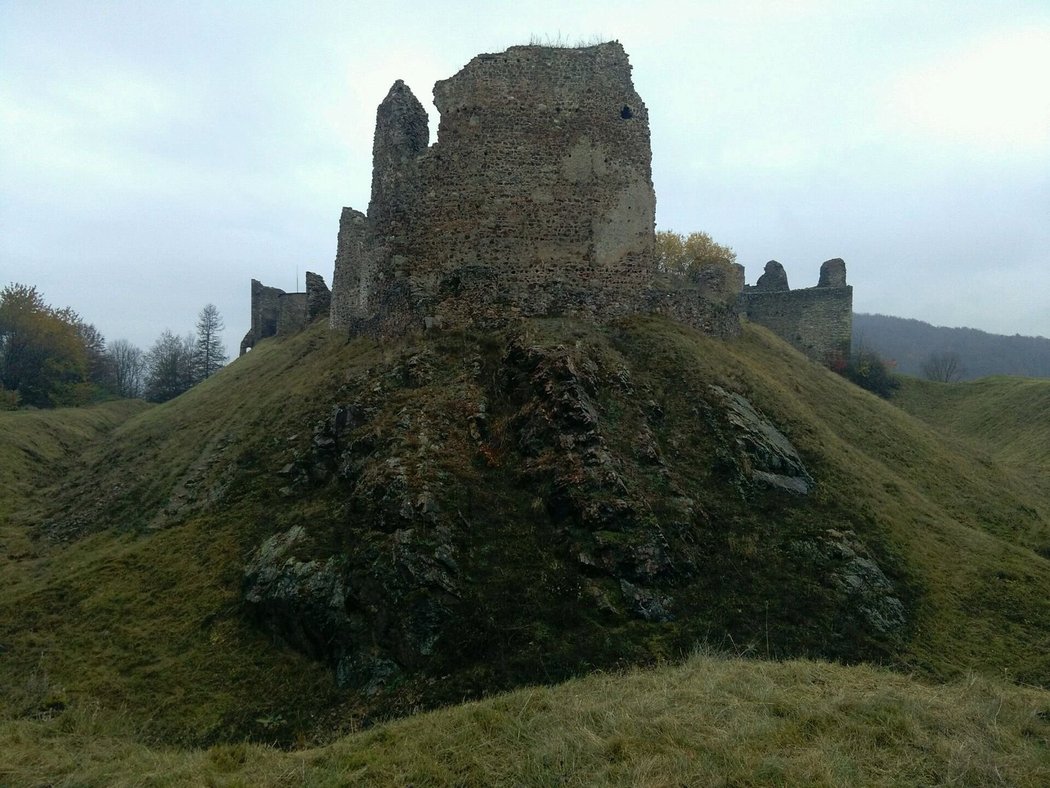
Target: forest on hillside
{"points": [[913, 344]]}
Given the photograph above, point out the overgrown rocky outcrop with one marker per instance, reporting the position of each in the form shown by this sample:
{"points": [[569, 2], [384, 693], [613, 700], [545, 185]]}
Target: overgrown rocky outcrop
{"points": [[521, 507]]}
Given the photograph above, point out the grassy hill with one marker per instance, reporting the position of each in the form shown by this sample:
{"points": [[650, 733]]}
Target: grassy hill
{"points": [[510, 509], [1007, 417]]}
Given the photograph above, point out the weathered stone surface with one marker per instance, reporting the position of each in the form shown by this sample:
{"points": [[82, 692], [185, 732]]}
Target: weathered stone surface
{"points": [[401, 136], [762, 453], [645, 603], [352, 281], [536, 199], [318, 296], [774, 279], [266, 309], [302, 600], [832, 273], [527, 492], [816, 320], [275, 312], [871, 592], [291, 313]]}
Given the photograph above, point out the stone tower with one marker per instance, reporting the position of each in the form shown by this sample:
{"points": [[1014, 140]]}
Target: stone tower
{"points": [[536, 199]]}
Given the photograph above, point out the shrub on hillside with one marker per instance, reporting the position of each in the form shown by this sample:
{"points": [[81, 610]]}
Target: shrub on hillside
{"points": [[868, 370], [8, 398]]}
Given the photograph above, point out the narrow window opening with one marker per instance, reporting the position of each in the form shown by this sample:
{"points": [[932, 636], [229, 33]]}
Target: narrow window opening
{"points": [[626, 113]]}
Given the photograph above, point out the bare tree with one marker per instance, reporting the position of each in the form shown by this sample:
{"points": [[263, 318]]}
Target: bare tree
{"points": [[209, 350], [128, 365], [945, 367]]}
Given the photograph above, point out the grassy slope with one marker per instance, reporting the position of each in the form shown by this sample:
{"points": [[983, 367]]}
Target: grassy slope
{"points": [[963, 523], [1002, 421], [36, 449], [144, 617], [1009, 417], [708, 721]]}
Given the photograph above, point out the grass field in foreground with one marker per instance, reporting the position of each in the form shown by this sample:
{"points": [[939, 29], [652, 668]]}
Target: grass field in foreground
{"points": [[709, 721]]}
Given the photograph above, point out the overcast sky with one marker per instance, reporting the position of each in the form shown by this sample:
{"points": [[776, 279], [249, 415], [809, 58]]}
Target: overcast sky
{"points": [[155, 156]]}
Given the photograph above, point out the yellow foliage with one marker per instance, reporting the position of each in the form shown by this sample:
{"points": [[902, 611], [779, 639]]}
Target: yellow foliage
{"points": [[688, 255]]}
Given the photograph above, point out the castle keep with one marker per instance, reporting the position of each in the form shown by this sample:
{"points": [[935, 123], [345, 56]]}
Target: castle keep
{"points": [[536, 199]]}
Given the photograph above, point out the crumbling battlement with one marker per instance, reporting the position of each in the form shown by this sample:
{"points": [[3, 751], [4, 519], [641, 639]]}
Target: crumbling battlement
{"points": [[816, 320], [536, 199]]}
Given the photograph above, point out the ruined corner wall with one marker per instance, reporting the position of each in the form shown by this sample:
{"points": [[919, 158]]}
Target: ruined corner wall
{"points": [[537, 198], [816, 320], [276, 312], [711, 304], [318, 296], [265, 311]]}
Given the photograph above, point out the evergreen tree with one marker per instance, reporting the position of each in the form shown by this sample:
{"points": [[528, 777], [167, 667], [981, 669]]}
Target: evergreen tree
{"points": [[209, 350]]}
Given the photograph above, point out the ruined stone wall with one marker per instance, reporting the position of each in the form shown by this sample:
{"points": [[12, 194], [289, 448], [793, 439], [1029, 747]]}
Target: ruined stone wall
{"points": [[318, 296], [536, 199], [291, 313], [265, 310], [816, 320], [277, 312]]}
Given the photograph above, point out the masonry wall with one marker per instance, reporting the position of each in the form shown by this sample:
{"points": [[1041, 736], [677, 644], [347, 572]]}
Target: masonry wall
{"points": [[291, 313], [536, 199], [277, 312], [816, 320], [265, 310]]}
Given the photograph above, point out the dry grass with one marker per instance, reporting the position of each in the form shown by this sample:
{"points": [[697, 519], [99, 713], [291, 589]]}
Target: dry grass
{"points": [[709, 721]]}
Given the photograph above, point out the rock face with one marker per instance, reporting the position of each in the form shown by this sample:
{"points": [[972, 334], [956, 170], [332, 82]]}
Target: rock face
{"points": [[760, 452], [518, 507], [305, 599]]}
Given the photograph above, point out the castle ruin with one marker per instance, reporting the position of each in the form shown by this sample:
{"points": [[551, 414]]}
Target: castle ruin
{"points": [[816, 320], [535, 200], [275, 312]]}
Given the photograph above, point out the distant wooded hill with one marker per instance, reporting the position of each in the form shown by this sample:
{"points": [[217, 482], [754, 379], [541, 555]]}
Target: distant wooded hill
{"points": [[912, 342]]}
